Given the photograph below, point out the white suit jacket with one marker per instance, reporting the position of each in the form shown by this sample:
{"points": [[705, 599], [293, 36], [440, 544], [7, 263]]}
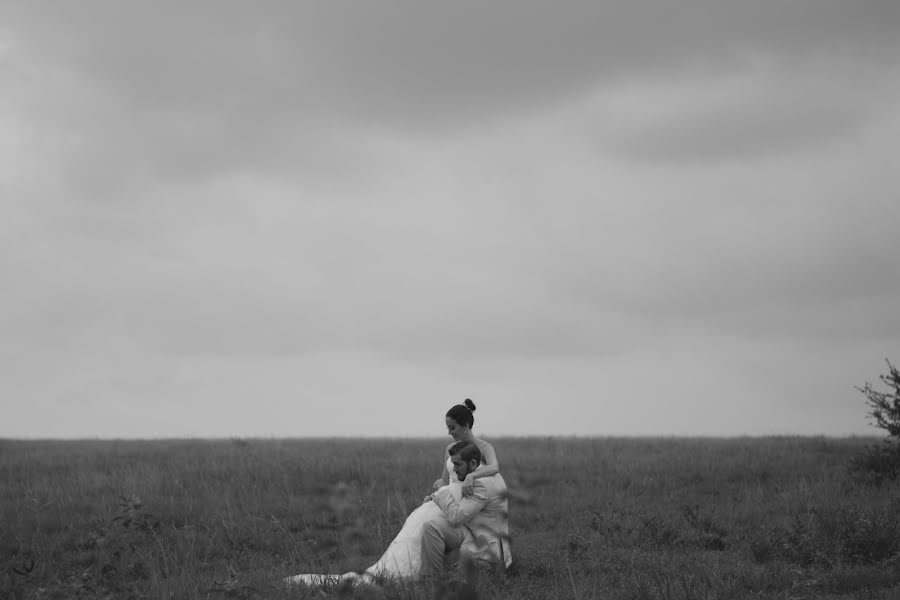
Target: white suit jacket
{"points": [[485, 517]]}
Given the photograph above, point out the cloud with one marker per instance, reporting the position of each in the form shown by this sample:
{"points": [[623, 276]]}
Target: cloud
{"points": [[383, 204], [226, 85], [451, 251], [756, 109]]}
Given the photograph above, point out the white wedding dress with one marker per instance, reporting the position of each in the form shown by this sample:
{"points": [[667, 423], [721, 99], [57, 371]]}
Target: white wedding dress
{"points": [[403, 558]]}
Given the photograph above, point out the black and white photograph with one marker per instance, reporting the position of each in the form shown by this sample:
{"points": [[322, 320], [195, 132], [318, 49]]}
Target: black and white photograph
{"points": [[410, 300]]}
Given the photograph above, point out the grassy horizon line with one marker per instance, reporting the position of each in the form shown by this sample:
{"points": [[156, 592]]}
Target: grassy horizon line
{"points": [[637, 437]]}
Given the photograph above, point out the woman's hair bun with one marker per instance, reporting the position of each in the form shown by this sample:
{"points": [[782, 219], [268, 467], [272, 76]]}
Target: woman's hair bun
{"points": [[470, 405]]}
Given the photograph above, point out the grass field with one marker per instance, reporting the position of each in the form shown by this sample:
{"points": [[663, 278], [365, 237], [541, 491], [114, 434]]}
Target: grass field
{"points": [[590, 518]]}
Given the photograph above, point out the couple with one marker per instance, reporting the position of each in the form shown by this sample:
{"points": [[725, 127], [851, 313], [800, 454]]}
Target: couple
{"points": [[466, 512]]}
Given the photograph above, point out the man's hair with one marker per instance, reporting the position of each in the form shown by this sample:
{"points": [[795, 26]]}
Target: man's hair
{"points": [[466, 451]]}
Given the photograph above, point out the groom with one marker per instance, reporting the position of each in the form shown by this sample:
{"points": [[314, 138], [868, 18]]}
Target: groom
{"points": [[477, 525]]}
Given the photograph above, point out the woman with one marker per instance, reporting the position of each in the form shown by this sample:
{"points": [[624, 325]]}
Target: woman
{"points": [[403, 558], [460, 421]]}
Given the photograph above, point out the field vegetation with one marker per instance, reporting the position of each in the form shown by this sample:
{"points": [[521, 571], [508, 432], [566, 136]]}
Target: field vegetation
{"points": [[633, 519]]}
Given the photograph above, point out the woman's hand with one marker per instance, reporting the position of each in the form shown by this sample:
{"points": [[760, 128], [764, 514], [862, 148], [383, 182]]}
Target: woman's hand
{"points": [[428, 499], [468, 486], [438, 484]]}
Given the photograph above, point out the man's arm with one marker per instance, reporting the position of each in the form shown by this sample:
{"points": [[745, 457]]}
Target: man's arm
{"points": [[460, 512]]}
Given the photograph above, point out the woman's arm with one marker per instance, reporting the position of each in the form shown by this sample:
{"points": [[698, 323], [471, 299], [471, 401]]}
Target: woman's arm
{"points": [[489, 466], [445, 476]]}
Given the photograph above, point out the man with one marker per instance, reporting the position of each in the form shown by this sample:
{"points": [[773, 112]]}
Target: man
{"points": [[477, 525]]}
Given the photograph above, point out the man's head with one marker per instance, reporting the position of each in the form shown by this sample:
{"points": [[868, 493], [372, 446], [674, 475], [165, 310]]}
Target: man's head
{"points": [[466, 457]]}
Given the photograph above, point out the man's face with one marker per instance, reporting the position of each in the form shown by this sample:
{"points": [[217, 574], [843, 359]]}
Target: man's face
{"points": [[461, 467]]}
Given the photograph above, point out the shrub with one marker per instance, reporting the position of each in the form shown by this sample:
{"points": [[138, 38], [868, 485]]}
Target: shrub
{"points": [[881, 462], [877, 463], [830, 535]]}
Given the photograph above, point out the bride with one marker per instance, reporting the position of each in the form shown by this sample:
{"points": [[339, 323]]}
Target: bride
{"points": [[403, 558]]}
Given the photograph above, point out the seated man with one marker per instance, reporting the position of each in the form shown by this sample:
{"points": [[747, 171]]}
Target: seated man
{"points": [[478, 525]]}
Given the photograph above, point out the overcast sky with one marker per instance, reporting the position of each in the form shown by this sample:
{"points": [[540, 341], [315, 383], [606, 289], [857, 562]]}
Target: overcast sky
{"points": [[341, 218]]}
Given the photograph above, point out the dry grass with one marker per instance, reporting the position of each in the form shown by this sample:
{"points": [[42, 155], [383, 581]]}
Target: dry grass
{"points": [[591, 518]]}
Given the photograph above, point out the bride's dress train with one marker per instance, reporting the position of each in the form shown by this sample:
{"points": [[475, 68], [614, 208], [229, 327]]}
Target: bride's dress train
{"points": [[402, 559]]}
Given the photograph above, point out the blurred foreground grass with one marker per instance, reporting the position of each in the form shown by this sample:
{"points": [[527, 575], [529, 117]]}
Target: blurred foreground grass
{"points": [[590, 518]]}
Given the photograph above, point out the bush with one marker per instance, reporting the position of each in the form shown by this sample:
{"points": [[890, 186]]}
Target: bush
{"points": [[829, 535], [885, 405], [878, 463], [882, 462]]}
